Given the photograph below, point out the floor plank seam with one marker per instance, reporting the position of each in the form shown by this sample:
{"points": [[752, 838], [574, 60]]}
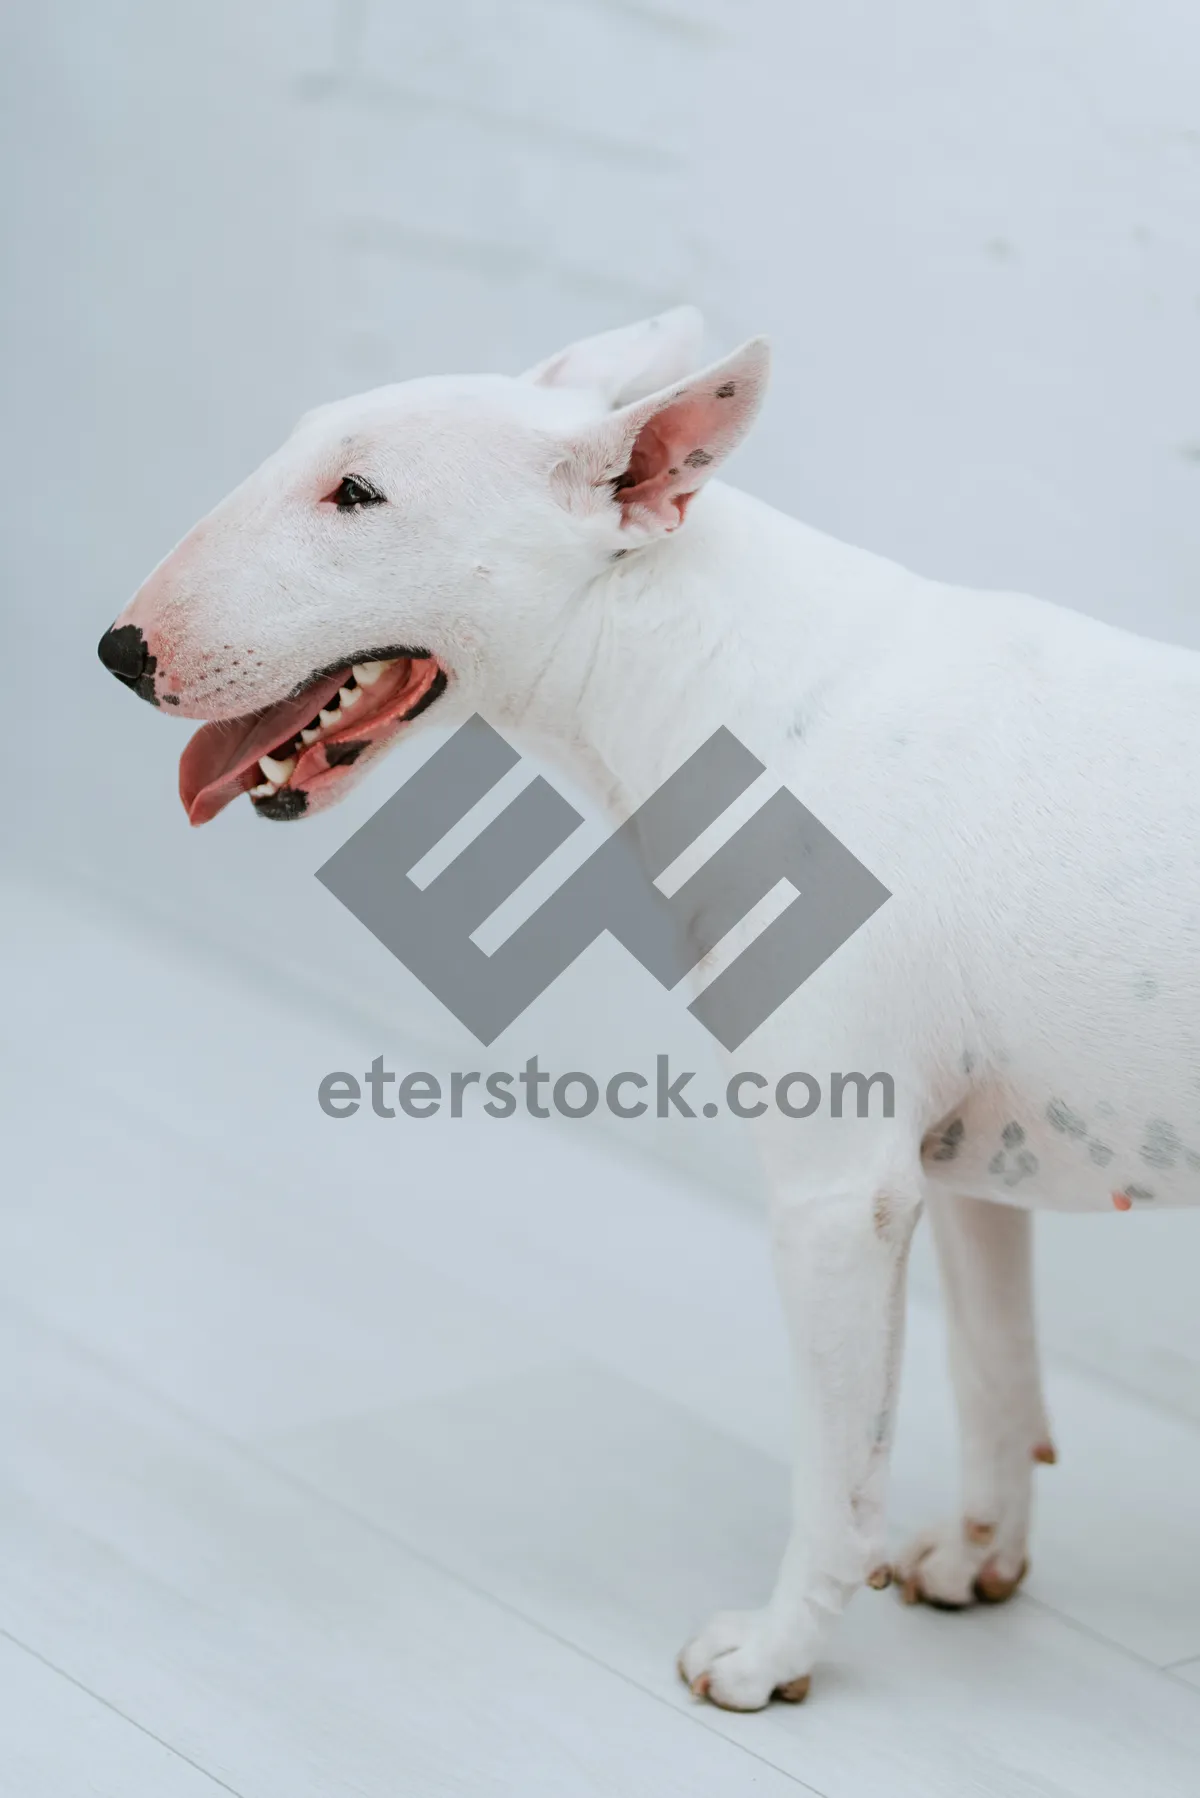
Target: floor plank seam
{"points": [[81, 1686], [1095, 1635], [699, 1715], [255, 1458]]}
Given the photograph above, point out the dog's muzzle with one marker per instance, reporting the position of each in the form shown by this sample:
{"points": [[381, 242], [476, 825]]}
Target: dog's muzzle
{"points": [[124, 653]]}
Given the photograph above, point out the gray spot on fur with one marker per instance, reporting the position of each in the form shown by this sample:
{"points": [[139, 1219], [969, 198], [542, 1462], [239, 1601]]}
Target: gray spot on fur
{"points": [[1060, 1117], [950, 1141], [1100, 1153], [1013, 1164], [1104, 1109], [1192, 1159], [726, 391], [1139, 1193], [699, 458], [968, 1062], [1162, 1146], [1145, 986]]}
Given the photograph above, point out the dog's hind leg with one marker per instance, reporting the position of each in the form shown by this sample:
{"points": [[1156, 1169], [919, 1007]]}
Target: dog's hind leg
{"points": [[985, 1253]]}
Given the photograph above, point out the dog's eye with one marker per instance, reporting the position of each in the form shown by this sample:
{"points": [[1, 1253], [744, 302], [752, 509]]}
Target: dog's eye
{"points": [[352, 492]]}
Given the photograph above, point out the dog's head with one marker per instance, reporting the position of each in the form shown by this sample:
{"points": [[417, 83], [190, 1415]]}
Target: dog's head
{"points": [[413, 540]]}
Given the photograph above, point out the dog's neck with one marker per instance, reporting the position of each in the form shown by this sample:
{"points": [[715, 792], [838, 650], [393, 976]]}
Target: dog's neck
{"points": [[745, 618]]}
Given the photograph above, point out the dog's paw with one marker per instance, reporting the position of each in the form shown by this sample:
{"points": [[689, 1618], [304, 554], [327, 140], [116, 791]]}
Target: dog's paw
{"points": [[739, 1662], [960, 1563]]}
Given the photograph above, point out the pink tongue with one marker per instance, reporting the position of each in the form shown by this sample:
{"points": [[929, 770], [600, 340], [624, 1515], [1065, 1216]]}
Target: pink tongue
{"points": [[221, 760]]}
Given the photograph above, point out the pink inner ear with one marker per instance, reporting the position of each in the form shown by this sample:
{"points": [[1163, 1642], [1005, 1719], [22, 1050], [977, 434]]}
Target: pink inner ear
{"points": [[672, 454]]}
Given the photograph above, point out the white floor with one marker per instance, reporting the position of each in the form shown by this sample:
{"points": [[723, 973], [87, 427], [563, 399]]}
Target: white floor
{"points": [[386, 1459]]}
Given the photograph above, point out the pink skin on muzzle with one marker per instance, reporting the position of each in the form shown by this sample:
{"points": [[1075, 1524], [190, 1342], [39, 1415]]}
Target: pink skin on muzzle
{"points": [[221, 761]]}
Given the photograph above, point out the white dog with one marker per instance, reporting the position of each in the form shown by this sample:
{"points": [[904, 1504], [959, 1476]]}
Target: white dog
{"points": [[552, 552]]}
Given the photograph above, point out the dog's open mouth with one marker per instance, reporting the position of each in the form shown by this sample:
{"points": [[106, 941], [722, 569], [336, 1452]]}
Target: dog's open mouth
{"points": [[295, 750]]}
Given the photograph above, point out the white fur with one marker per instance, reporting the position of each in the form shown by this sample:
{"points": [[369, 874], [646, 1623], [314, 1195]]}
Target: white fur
{"points": [[1023, 779]]}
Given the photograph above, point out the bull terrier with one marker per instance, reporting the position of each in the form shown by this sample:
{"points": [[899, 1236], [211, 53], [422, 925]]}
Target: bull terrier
{"points": [[553, 552]]}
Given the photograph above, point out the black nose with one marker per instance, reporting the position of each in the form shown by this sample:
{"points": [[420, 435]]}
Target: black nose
{"points": [[123, 652]]}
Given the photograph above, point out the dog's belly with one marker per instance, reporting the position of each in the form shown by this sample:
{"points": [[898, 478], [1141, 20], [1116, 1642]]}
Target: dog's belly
{"points": [[1042, 1151]]}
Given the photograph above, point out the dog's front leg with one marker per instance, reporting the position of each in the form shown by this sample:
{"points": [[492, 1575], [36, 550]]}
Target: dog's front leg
{"points": [[840, 1262]]}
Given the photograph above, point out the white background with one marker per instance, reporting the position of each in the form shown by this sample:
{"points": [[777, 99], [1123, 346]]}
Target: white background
{"points": [[971, 230]]}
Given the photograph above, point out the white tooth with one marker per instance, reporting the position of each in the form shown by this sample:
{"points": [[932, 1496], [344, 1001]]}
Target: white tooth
{"points": [[349, 696], [367, 673], [309, 736], [329, 719], [266, 791], [277, 771]]}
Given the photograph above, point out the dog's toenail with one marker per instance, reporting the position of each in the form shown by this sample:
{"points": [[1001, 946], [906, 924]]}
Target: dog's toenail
{"points": [[701, 1684], [880, 1578], [991, 1586], [1046, 1453], [795, 1691]]}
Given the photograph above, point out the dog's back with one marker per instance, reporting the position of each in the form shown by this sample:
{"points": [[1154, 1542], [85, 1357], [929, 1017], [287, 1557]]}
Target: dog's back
{"points": [[1046, 804]]}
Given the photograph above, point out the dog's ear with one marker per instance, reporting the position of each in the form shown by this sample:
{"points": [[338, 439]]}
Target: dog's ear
{"points": [[655, 455], [626, 365]]}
